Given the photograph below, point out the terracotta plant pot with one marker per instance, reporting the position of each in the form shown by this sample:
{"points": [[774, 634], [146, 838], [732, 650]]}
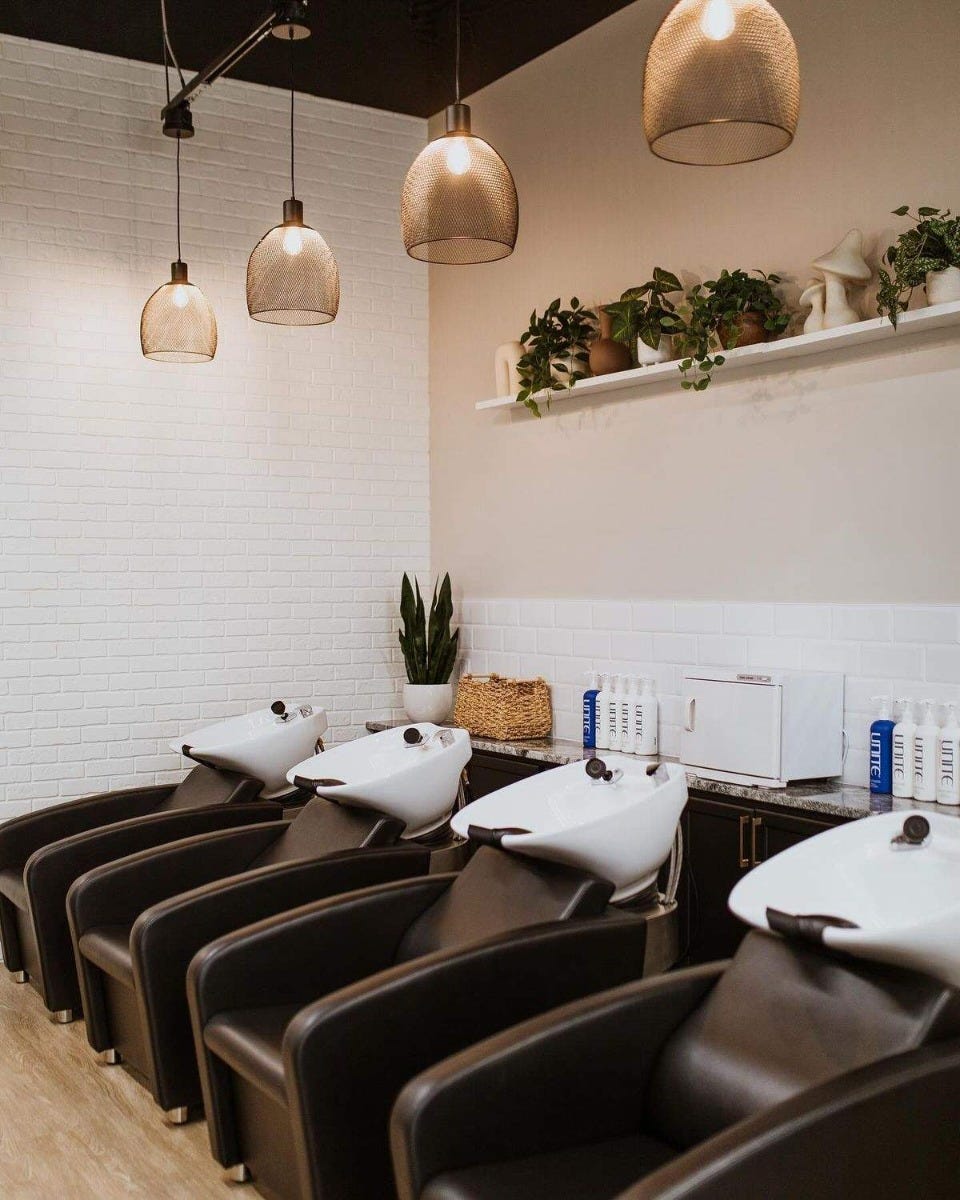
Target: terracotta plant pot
{"points": [[746, 330], [607, 355]]}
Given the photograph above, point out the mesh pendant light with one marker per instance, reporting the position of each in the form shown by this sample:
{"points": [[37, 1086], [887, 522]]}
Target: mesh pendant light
{"points": [[459, 202], [177, 323], [292, 276], [722, 83]]}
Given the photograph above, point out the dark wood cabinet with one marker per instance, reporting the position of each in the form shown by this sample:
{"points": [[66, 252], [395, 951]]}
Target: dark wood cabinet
{"points": [[488, 772], [722, 841]]}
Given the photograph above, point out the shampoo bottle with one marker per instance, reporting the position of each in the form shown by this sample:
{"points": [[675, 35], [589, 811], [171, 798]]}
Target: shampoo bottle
{"points": [[948, 782], [648, 710], [926, 743], [903, 738], [604, 700], [881, 749], [590, 711], [616, 705], [633, 700]]}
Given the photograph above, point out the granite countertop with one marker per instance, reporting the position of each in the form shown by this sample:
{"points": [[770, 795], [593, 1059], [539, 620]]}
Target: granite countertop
{"points": [[829, 796]]}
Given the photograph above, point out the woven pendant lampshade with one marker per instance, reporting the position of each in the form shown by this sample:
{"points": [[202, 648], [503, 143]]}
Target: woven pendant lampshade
{"points": [[722, 83], [292, 276], [177, 324], [459, 202]]}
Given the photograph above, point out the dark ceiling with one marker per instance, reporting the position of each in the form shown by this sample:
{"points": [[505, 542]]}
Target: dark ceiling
{"points": [[392, 54]]}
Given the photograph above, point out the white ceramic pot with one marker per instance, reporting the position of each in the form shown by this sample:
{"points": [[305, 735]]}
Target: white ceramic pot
{"points": [[943, 286], [571, 363], [647, 356], [428, 701]]}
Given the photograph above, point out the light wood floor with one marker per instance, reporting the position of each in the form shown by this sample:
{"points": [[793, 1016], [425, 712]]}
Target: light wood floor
{"points": [[72, 1129]]}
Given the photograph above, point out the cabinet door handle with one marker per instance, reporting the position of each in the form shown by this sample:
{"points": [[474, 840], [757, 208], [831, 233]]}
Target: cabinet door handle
{"points": [[755, 825], [744, 861], [691, 714]]}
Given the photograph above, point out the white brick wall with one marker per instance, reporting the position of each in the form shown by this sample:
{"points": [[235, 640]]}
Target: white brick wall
{"points": [[186, 542], [883, 650]]}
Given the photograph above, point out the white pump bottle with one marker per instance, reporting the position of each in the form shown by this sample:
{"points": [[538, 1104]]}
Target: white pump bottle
{"points": [[616, 707], [926, 744], [948, 778], [904, 733], [633, 700], [647, 716], [604, 701]]}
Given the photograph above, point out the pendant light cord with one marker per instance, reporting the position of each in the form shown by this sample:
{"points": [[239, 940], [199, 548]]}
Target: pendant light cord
{"points": [[457, 57], [179, 254], [293, 190]]}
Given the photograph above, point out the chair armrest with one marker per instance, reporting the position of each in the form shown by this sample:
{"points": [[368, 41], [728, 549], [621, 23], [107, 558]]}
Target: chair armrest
{"points": [[348, 1055], [166, 936], [22, 836], [117, 892], [52, 869], [267, 964], [889, 1129], [575, 1075]]}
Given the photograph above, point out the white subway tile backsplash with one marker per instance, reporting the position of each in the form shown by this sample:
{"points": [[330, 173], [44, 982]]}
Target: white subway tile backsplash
{"points": [[868, 624], [699, 618], [925, 625], [857, 640], [184, 543]]}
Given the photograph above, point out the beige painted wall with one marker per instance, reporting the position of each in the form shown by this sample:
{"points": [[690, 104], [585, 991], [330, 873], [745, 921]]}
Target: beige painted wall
{"points": [[833, 481]]}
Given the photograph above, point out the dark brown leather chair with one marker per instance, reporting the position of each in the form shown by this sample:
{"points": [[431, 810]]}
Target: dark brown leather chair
{"points": [[786, 1073], [137, 923], [41, 854], [308, 1025]]}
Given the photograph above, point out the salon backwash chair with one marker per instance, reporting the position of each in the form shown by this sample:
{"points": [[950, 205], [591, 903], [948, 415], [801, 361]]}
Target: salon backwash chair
{"points": [[308, 1025], [42, 853], [137, 923], [786, 1074]]}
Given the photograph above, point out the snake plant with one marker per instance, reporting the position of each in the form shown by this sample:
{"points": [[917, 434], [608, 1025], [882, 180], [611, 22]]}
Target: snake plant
{"points": [[429, 648]]}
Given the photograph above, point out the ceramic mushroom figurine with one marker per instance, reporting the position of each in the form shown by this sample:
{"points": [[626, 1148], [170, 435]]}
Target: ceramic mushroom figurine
{"points": [[812, 298], [842, 266]]}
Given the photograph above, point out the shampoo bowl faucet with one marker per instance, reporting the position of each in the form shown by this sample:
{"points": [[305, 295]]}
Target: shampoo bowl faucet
{"points": [[599, 772], [414, 738]]}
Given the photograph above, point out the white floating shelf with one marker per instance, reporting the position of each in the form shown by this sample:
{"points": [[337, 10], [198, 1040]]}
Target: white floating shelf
{"points": [[877, 329]]}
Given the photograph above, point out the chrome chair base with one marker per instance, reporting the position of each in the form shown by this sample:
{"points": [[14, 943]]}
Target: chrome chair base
{"points": [[64, 1016], [177, 1116], [111, 1058], [21, 977], [238, 1174]]}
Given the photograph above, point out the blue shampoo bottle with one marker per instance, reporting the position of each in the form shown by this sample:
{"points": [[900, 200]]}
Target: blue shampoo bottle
{"points": [[590, 711], [881, 749]]}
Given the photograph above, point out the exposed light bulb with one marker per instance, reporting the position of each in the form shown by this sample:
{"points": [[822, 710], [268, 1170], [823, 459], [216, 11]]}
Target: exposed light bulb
{"points": [[458, 156], [292, 239], [718, 20], [181, 297]]}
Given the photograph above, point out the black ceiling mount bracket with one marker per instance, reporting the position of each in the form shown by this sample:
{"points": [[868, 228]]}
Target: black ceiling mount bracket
{"points": [[178, 120], [287, 20]]}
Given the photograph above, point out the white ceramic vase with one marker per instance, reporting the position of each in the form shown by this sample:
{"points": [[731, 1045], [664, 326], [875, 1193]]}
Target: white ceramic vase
{"points": [[647, 356], [943, 286], [505, 368], [571, 363], [428, 701]]}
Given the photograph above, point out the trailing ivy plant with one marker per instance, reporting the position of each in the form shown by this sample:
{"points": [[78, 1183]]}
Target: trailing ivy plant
{"points": [[710, 316], [933, 244], [646, 312], [555, 353], [429, 648]]}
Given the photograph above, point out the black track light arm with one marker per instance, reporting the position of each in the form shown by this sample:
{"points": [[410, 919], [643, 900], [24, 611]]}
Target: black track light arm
{"points": [[285, 20]]}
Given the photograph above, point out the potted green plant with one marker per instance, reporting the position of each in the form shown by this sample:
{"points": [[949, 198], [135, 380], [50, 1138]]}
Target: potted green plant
{"points": [[555, 351], [735, 309], [928, 256], [644, 318], [429, 650]]}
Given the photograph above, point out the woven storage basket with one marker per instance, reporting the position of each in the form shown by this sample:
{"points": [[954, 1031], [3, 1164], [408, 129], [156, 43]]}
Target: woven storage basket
{"points": [[508, 709]]}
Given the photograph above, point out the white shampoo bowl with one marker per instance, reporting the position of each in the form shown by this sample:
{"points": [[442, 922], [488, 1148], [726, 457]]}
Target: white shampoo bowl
{"points": [[260, 744], [621, 830], [903, 899], [417, 783]]}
